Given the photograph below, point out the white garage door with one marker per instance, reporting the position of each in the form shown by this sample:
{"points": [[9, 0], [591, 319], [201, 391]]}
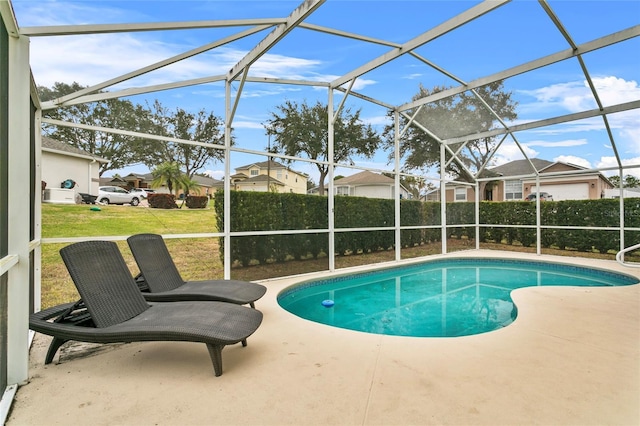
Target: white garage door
{"points": [[568, 191]]}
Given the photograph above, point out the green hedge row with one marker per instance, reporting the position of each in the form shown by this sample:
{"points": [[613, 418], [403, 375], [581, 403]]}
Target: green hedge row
{"points": [[262, 211], [266, 211], [576, 213]]}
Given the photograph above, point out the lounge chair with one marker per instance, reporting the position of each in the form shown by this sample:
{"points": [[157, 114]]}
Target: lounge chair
{"points": [[112, 309], [160, 274]]}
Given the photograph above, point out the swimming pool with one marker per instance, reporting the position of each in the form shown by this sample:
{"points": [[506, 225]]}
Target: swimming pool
{"points": [[442, 298]]}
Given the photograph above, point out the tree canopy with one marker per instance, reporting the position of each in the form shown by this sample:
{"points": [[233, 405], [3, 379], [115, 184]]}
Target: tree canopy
{"points": [[450, 117], [301, 129], [201, 127], [124, 150], [628, 181], [113, 113]]}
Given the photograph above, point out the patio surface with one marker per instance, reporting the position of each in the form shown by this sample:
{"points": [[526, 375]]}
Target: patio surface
{"points": [[572, 357]]}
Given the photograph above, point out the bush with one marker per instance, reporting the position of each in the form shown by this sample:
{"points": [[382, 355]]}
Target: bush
{"points": [[162, 201], [197, 201], [256, 211]]}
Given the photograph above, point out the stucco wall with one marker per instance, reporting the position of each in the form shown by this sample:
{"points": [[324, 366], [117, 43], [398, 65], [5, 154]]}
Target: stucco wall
{"points": [[377, 191], [57, 168]]}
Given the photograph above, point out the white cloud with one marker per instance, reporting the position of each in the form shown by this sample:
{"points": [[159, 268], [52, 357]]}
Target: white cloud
{"points": [[360, 83], [379, 120], [586, 125], [509, 151], [613, 90], [247, 124], [572, 96], [54, 12], [559, 144], [216, 174], [572, 159], [576, 96], [91, 59], [611, 162]]}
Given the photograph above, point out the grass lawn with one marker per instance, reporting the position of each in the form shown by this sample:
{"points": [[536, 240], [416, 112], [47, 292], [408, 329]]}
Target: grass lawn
{"points": [[196, 258], [59, 220]]}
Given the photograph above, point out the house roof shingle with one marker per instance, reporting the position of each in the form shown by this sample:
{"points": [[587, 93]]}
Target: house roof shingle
{"points": [[364, 178], [519, 167], [55, 145], [260, 179], [263, 165]]}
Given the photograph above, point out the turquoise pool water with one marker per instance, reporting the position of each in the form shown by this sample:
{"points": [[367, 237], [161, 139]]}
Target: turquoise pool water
{"points": [[444, 298]]}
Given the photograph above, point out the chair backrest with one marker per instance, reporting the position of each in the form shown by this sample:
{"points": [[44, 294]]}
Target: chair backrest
{"points": [[155, 262], [104, 281]]}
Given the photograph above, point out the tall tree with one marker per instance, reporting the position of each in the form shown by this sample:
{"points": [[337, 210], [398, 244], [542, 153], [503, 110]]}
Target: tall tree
{"points": [[303, 130], [416, 186], [180, 124], [629, 181], [113, 113], [459, 115]]}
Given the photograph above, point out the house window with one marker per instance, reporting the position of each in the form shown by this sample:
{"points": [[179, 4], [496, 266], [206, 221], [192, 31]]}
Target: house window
{"points": [[342, 190], [254, 172], [279, 175], [512, 190], [461, 194]]}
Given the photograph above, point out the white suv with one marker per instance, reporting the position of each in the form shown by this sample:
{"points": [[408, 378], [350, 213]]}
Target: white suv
{"points": [[117, 195], [142, 193]]}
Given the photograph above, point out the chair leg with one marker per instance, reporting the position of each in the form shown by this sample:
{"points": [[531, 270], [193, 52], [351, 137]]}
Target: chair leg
{"points": [[244, 342], [253, 305], [53, 348], [215, 352]]}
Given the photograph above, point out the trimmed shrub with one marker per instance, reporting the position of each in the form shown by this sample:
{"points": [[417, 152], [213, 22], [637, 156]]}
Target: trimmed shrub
{"points": [[260, 211], [197, 201], [162, 201]]}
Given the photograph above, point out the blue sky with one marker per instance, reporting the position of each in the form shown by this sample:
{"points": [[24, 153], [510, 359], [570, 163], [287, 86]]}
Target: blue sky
{"points": [[510, 35]]}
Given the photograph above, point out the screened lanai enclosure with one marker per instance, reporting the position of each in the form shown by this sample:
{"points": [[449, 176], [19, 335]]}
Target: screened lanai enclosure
{"points": [[444, 93]]}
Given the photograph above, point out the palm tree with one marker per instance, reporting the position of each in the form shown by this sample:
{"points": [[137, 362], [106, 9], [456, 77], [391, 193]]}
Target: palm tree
{"points": [[168, 173], [187, 185]]}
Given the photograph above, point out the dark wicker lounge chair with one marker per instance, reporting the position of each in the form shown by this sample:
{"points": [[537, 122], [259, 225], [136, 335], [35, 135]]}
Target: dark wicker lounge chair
{"points": [[112, 309], [165, 284]]}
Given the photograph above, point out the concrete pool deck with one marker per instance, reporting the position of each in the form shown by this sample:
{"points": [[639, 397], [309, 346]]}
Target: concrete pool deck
{"points": [[572, 357]]}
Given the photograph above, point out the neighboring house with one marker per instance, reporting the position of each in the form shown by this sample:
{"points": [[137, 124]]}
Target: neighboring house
{"points": [[269, 176], [368, 184], [136, 180], [432, 195], [583, 186], [626, 193], [316, 190], [61, 162], [206, 185], [114, 181]]}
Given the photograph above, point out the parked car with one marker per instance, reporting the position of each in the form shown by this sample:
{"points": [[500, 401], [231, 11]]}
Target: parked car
{"points": [[142, 192], [117, 195], [544, 196]]}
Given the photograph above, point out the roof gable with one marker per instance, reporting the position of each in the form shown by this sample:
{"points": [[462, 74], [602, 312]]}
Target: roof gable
{"points": [[365, 178]]}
